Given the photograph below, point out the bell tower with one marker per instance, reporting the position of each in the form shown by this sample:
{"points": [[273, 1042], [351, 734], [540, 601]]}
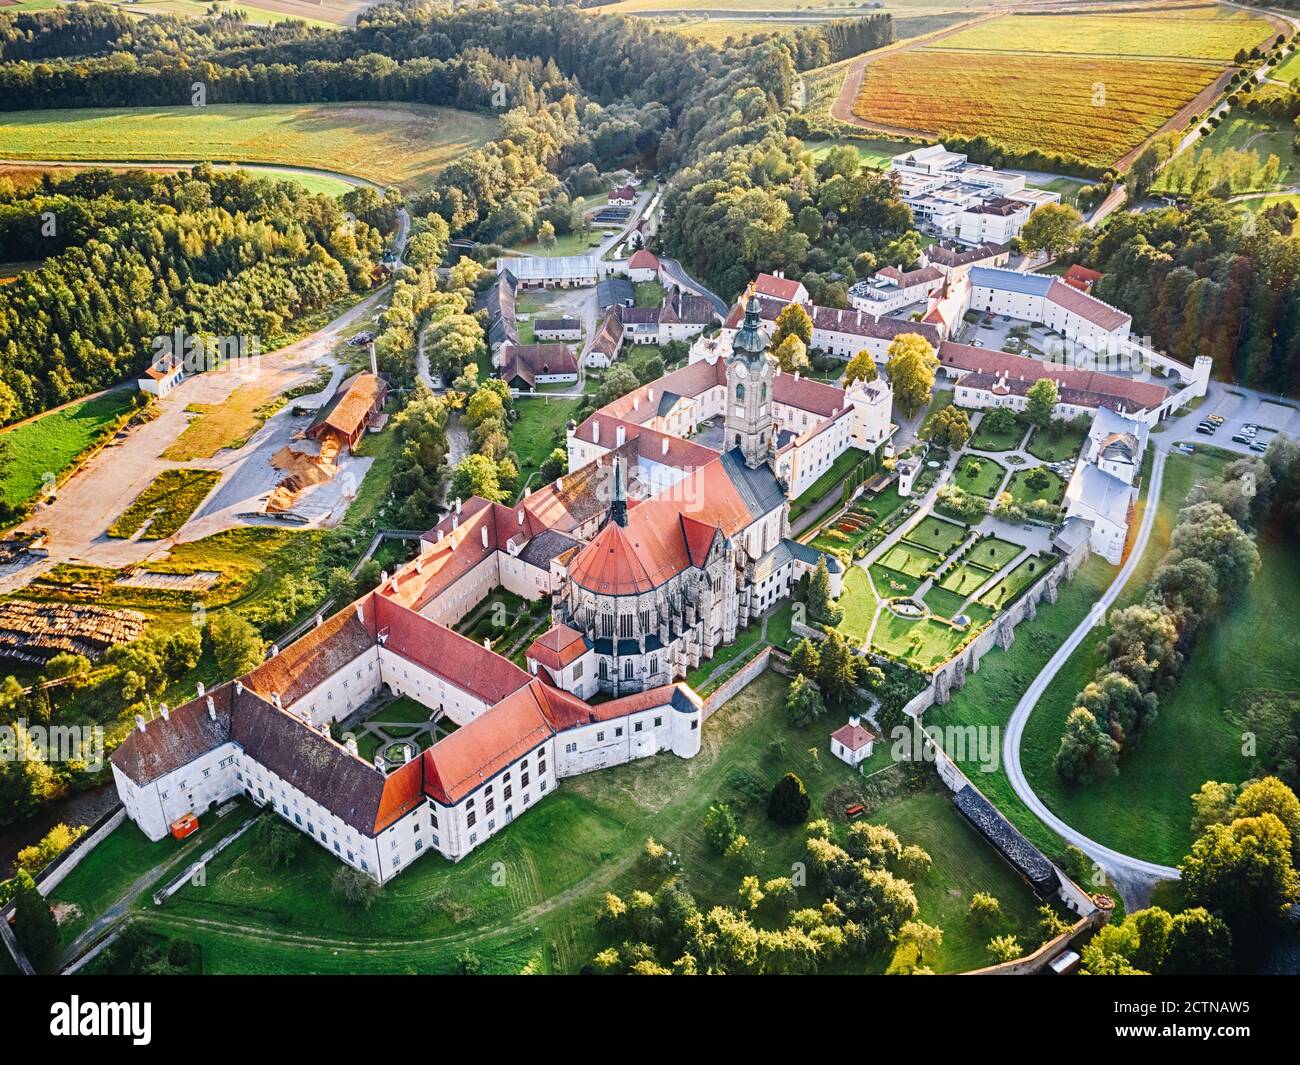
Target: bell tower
{"points": [[748, 423]]}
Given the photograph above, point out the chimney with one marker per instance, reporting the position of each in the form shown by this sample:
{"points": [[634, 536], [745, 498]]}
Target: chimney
{"points": [[239, 687], [162, 709], [487, 643], [853, 720], [620, 436], [199, 689], [483, 534], [374, 365], [360, 615], [438, 538], [636, 403], [139, 722], [379, 761], [275, 648], [665, 445], [458, 504], [559, 484], [520, 514], [275, 701], [650, 394], [797, 375], [595, 431], [455, 522], [212, 708]]}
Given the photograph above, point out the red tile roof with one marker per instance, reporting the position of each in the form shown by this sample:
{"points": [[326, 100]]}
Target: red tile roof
{"points": [[1102, 315], [1081, 277], [781, 288], [1087, 388], [316, 656], [807, 394], [643, 260], [460, 661], [557, 647], [854, 737], [477, 751]]}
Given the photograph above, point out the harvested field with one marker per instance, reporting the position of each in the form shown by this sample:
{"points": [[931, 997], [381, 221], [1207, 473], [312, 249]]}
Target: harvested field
{"points": [[1093, 109]]}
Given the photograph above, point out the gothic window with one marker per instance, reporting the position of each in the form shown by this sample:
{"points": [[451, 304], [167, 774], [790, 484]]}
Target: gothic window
{"points": [[625, 626], [654, 663], [604, 669], [627, 669], [607, 625]]}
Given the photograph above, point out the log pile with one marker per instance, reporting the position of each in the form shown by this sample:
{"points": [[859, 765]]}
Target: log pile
{"points": [[36, 632]]}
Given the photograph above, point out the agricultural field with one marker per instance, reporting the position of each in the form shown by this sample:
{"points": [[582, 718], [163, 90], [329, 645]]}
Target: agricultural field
{"points": [[404, 145], [1207, 32], [316, 13], [166, 504], [1031, 106], [1090, 86], [39, 450], [559, 859]]}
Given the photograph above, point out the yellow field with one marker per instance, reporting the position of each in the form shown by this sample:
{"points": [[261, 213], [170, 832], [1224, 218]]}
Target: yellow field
{"points": [[404, 144], [1208, 32], [1093, 109], [716, 31]]}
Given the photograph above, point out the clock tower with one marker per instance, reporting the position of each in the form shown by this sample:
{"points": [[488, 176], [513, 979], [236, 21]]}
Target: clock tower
{"points": [[750, 369]]}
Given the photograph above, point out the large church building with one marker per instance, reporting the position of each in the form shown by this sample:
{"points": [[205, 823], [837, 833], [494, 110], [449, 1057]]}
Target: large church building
{"points": [[652, 552]]}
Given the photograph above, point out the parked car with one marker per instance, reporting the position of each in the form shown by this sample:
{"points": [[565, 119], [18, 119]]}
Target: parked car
{"points": [[1240, 438], [1206, 428], [1259, 445], [1215, 419]]}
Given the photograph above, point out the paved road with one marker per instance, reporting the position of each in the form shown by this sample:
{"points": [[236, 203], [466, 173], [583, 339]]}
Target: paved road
{"points": [[1132, 875]]}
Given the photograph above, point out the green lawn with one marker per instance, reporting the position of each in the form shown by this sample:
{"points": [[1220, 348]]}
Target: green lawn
{"points": [[937, 535], [1146, 810], [991, 693], [891, 582], [39, 450], [858, 604], [1021, 577], [539, 430], [649, 294], [829, 480], [1058, 442], [910, 559], [531, 891], [575, 243], [1023, 492], [964, 579], [979, 476], [985, 439], [993, 552], [875, 154], [924, 644], [943, 602]]}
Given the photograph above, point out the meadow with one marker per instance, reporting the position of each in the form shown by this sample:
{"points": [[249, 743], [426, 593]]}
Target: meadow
{"points": [[404, 145], [42, 448]]}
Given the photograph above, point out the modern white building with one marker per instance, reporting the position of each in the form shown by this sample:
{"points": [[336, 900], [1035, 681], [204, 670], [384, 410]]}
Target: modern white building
{"points": [[954, 198], [165, 374]]}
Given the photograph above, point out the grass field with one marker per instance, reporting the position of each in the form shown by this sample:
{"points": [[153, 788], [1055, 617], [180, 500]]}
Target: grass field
{"points": [[979, 475], [1015, 582], [829, 480], [910, 559], [405, 144], [965, 578], [1242, 132], [166, 504], [1022, 492], [937, 535], [875, 153], [39, 450], [1209, 32], [539, 430], [1146, 811], [985, 439], [1058, 442], [1031, 105], [531, 891], [924, 644], [718, 31]]}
